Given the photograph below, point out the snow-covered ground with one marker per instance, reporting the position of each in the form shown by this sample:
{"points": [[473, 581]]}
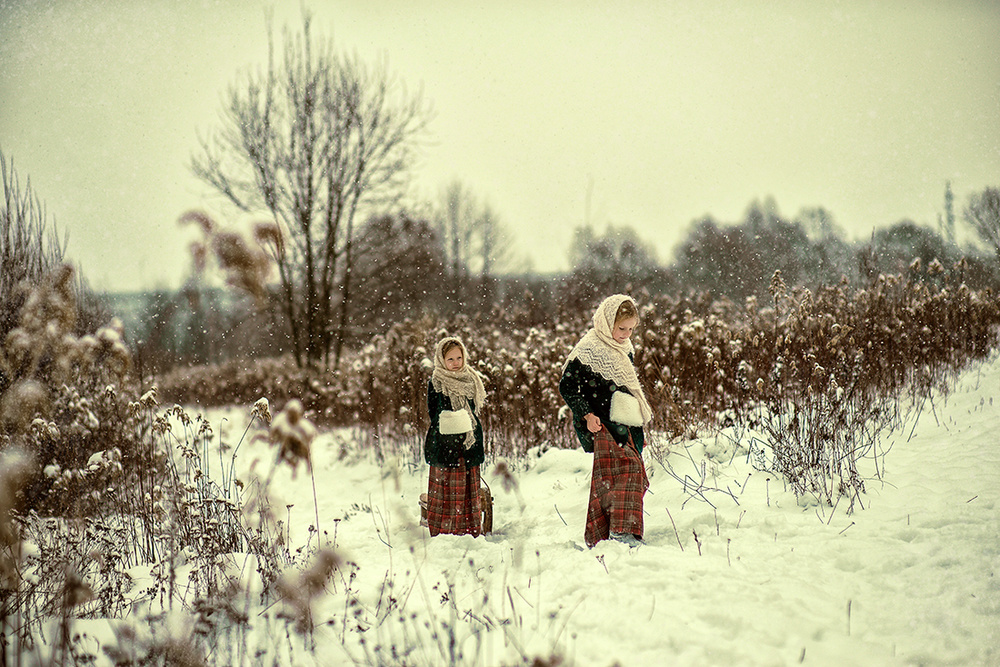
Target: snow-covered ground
{"points": [[754, 578]]}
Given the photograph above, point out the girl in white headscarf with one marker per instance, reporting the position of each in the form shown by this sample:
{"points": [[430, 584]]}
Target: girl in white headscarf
{"points": [[453, 446], [601, 387]]}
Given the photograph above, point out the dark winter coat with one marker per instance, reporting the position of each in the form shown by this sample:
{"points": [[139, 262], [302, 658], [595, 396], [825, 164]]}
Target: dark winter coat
{"points": [[585, 391], [444, 450]]}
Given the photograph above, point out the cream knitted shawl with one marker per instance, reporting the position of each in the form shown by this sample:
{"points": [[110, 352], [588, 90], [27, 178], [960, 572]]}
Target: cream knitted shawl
{"points": [[607, 357]]}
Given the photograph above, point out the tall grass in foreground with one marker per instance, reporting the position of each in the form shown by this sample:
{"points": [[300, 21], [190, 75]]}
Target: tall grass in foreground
{"points": [[112, 507], [97, 482]]}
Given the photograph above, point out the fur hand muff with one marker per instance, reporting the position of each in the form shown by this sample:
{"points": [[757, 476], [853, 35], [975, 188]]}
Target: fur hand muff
{"points": [[454, 421], [625, 409]]}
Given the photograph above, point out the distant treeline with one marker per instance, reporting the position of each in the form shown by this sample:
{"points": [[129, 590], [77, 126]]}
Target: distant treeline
{"points": [[412, 278]]}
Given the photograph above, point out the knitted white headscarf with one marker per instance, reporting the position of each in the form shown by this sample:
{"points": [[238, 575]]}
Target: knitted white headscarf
{"points": [[461, 386], [607, 357]]}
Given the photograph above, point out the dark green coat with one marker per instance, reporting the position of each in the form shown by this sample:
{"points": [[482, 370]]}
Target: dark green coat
{"points": [[585, 391], [443, 451]]}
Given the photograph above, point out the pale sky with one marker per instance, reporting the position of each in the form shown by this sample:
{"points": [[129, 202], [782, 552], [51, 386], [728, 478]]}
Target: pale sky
{"points": [[664, 111]]}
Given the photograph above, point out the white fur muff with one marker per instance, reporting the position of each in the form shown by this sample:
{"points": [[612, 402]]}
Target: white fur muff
{"points": [[625, 409], [453, 422]]}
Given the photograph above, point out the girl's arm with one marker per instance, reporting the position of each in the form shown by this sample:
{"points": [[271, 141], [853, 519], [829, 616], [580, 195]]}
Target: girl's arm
{"points": [[572, 386], [434, 405], [571, 389]]}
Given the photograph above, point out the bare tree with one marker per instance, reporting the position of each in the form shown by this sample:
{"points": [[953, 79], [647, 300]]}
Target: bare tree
{"points": [[315, 140], [398, 268], [31, 248], [609, 262], [496, 249], [947, 223], [983, 213], [474, 239], [491, 241], [455, 225]]}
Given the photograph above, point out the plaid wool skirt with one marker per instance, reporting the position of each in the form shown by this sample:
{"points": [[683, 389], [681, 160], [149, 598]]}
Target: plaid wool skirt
{"points": [[453, 503], [617, 486]]}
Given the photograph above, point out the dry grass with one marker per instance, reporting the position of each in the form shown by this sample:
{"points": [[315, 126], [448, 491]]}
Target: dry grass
{"points": [[222, 583], [97, 481], [837, 359]]}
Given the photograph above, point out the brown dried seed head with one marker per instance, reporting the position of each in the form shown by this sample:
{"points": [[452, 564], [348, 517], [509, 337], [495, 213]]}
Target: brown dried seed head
{"points": [[76, 591], [315, 577], [262, 410], [16, 468], [269, 233], [199, 218], [293, 434], [199, 256], [21, 403]]}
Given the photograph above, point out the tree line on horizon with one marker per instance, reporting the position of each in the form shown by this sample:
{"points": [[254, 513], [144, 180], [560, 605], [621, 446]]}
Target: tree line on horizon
{"points": [[319, 145], [406, 272]]}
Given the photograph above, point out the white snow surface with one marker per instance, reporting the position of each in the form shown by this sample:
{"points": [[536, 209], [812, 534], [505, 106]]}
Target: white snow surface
{"points": [[754, 578]]}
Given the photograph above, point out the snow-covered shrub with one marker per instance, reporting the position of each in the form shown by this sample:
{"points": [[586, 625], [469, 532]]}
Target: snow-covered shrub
{"points": [[833, 359]]}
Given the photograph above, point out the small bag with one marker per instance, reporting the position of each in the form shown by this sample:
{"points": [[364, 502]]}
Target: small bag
{"points": [[485, 500], [625, 409], [453, 422]]}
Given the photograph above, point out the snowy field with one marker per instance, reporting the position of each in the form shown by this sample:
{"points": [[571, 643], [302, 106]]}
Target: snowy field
{"points": [[743, 576]]}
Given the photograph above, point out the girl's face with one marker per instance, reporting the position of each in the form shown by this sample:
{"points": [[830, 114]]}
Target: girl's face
{"points": [[623, 329], [453, 359]]}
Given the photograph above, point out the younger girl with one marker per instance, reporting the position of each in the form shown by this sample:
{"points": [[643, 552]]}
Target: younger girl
{"points": [[454, 444], [600, 385]]}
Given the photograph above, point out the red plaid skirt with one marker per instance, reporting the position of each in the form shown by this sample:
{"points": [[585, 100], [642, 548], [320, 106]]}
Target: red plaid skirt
{"points": [[453, 502], [617, 486]]}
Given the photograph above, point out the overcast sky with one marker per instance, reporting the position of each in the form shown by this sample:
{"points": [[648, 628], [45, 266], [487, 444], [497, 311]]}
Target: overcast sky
{"points": [[663, 111]]}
